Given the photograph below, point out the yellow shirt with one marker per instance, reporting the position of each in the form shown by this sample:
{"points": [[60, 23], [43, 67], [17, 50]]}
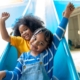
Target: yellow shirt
{"points": [[21, 44]]}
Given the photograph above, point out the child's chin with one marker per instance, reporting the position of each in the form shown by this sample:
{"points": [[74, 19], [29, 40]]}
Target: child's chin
{"points": [[27, 39]]}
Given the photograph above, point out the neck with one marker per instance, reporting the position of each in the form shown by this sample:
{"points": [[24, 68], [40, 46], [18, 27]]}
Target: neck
{"points": [[34, 53]]}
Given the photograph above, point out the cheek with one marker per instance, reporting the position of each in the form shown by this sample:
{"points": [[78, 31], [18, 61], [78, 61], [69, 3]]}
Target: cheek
{"points": [[31, 34], [29, 31], [22, 35], [43, 48]]}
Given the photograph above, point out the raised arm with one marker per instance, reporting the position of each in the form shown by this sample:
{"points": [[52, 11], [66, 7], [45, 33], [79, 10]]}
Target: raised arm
{"points": [[4, 33], [62, 26], [49, 53]]}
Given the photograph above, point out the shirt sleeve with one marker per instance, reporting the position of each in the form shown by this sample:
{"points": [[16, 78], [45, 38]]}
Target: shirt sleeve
{"points": [[14, 41], [50, 52], [59, 33], [16, 73]]}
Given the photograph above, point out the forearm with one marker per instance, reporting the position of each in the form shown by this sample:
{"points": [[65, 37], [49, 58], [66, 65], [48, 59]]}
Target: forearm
{"points": [[66, 15], [15, 74], [10, 75], [60, 31], [4, 32]]}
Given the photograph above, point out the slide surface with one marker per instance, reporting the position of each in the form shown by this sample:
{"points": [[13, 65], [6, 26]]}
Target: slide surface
{"points": [[64, 67]]}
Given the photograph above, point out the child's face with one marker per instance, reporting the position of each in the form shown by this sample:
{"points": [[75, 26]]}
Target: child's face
{"points": [[25, 32], [38, 43]]}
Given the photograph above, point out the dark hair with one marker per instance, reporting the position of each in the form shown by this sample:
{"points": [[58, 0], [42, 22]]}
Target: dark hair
{"points": [[47, 34], [32, 22]]}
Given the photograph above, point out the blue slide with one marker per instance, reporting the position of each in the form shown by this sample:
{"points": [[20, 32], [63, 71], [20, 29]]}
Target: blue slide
{"points": [[64, 67]]}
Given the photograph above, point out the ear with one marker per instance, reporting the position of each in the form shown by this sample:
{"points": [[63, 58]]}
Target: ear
{"points": [[47, 46]]}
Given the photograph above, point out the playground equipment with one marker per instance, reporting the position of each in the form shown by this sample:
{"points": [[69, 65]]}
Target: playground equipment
{"points": [[64, 68]]}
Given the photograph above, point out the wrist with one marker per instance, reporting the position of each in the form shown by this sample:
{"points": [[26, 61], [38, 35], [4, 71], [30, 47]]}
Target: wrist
{"points": [[66, 15], [2, 20]]}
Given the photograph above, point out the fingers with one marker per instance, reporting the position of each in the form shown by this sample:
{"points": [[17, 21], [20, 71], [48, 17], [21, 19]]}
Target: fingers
{"points": [[71, 6], [69, 9], [5, 14]]}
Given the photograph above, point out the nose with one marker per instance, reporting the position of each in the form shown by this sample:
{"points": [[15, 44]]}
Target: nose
{"points": [[35, 43], [24, 32]]}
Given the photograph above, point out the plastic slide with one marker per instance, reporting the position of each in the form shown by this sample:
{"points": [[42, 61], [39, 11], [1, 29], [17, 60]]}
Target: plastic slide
{"points": [[9, 58], [64, 68]]}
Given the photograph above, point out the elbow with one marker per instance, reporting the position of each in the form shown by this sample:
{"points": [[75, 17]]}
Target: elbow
{"points": [[7, 38]]}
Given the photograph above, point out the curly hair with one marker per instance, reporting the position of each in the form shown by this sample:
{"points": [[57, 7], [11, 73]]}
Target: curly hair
{"points": [[32, 22]]}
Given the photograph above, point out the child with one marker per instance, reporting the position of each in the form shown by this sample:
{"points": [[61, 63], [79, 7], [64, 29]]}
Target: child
{"points": [[49, 53], [25, 28], [30, 64]]}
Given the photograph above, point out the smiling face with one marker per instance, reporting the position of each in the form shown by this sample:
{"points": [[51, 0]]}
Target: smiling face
{"points": [[38, 43], [25, 32]]}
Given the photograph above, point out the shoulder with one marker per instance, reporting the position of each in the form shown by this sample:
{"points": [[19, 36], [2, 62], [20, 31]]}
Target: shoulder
{"points": [[17, 38], [25, 55]]}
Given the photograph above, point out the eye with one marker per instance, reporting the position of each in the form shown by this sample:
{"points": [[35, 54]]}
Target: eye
{"points": [[21, 32], [41, 43], [26, 29]]}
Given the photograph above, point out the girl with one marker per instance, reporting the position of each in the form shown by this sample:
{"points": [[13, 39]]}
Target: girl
{"points": [[25, 28], [30, 64], [49, 52]]}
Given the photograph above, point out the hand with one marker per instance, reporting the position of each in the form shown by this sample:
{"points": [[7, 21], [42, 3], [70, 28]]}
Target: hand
{"points": [[69, 9], [5, 16], [2, 74]]}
